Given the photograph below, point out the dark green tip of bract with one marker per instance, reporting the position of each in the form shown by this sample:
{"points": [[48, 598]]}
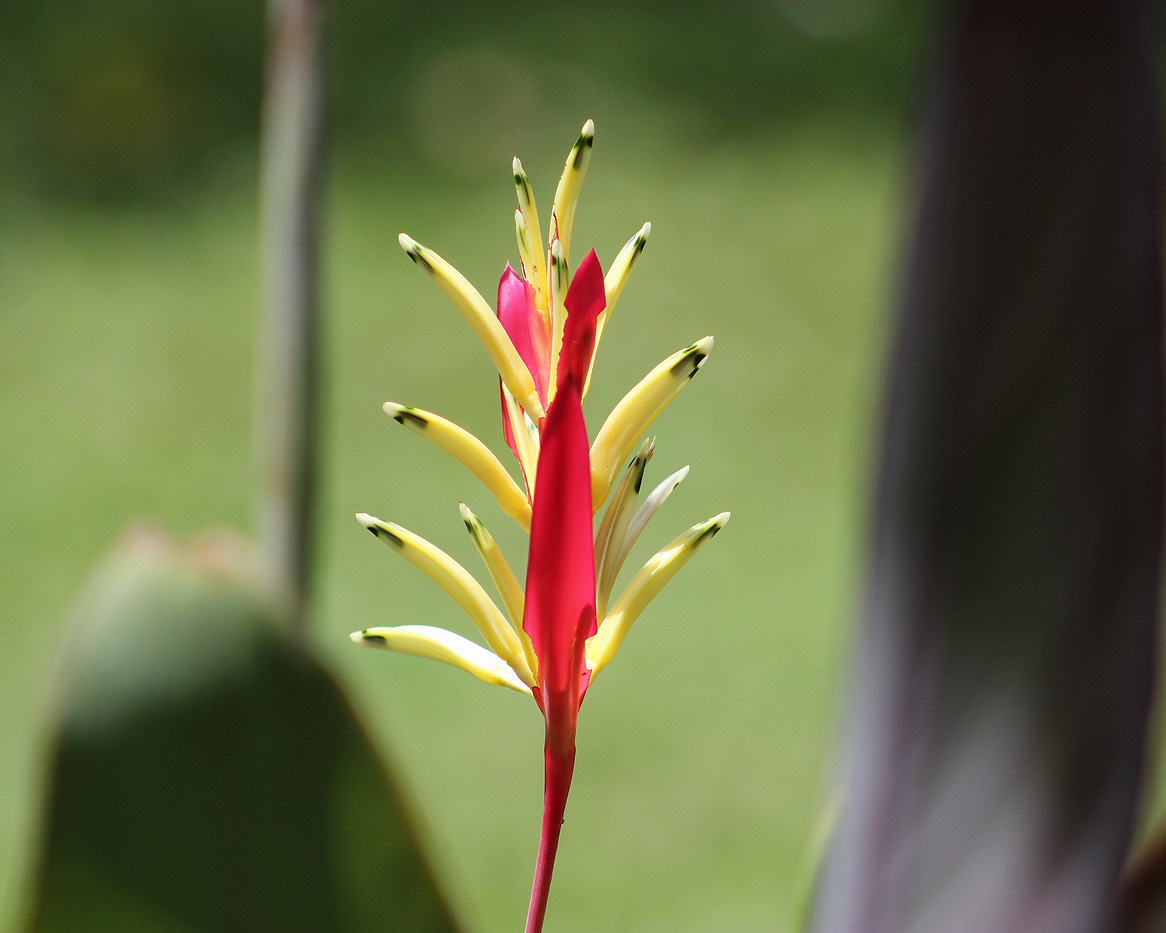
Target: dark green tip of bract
{"points": [[639, 466], [641, 242], [407, 414], [693, 357], [584, 143], [375, 639], [416, 253], [380, 531], [519, 181], [709, 532]]}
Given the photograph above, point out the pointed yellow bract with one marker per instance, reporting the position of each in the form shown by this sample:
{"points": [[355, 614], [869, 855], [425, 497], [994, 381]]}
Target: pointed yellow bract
{"points": [[536, 272], [525, 440], [482, 319], [661, 568], [613, 283], [636, 411], [508, 586], [621, 544], [462, 588], [615, 523], [471, 452], [425, 641], [559, 282], [567, 192]]}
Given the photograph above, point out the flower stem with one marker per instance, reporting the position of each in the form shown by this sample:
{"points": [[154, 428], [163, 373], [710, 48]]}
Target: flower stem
{"points": [[560, 763]]}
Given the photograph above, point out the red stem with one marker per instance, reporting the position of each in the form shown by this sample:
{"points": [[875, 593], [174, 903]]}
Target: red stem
{"points": [[560, 763]]}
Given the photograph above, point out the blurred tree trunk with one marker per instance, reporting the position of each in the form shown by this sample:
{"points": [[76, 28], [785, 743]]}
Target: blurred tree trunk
{"points": [[997, 736]]}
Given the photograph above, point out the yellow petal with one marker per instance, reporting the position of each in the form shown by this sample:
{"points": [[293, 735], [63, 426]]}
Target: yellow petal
{"points": [[500, 572], [471, 452], [526, 440], [615, 522], [536, 272], [621, 547], [425, 641], [508, 587], [630, 419], [462, 588], [567, 192], [661, 568], [613, 283], [558, 286], [482, 319]]}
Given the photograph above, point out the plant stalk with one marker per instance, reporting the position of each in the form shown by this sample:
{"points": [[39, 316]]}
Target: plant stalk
{"points": [[288, 381], [560, 764]]}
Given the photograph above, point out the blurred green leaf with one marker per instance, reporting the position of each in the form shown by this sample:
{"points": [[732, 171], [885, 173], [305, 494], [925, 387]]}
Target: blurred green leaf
{"points": [[1141, 895], [208, 772]]}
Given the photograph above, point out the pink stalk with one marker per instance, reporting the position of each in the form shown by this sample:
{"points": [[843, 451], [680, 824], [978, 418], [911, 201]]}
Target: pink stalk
{"points": [[560, 763]]}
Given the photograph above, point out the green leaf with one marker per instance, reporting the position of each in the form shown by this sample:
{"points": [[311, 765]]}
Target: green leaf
{"points": [[208, 772]]}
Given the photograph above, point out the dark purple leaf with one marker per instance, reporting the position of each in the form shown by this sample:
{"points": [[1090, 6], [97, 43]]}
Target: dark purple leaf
{"points": [[996, 741]]}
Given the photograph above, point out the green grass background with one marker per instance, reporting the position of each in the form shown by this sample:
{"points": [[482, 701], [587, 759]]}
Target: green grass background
{"points": [[125, 388], [126, 373]]}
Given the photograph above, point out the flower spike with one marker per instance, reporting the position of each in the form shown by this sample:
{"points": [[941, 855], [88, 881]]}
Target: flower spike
{"points": [[557, 633]]}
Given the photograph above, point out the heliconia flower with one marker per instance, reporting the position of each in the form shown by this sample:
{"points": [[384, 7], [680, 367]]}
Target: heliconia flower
{"points": [[552, 638]]}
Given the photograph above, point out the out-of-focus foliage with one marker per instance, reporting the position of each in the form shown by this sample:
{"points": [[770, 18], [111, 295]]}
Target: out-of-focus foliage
{"points": [[208, 774], [998, 737], [765, 155], [129, 97]]}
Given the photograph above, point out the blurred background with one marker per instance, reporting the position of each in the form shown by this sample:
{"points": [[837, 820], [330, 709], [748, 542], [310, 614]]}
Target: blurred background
{"points": [[765, 141]]}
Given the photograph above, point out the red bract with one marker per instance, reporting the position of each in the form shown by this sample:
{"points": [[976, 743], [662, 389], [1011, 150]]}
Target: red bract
{"points": [[560, 575], [525, 327]]}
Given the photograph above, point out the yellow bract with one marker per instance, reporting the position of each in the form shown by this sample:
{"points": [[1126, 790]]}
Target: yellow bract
{"points": [[661, 568], [462, 588], [425, 641], [635, 413], [483, 320], [471, 452]]}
